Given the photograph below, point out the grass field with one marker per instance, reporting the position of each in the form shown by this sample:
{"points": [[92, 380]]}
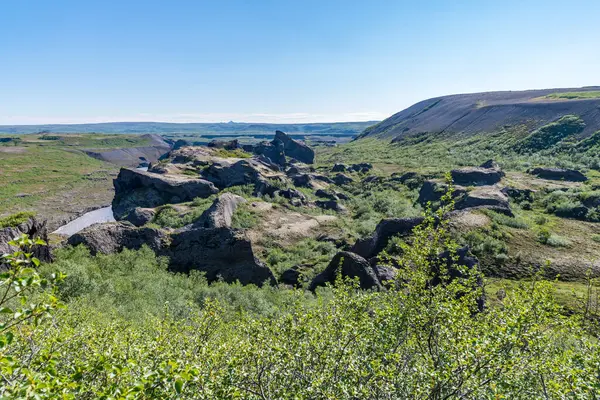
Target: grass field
{"points": [[574, 95], [50, 174]]}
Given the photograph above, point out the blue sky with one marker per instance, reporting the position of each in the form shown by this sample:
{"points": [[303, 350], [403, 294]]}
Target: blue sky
{"points": [[280, 61]]}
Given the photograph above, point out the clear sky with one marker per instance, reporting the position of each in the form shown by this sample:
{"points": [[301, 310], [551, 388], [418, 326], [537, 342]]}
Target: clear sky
{"points": [[280, 61]]}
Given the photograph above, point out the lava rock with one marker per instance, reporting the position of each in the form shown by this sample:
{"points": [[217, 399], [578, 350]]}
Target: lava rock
{"points": [[141, 216], [339, 168], [341, 179], [351, 265], [385, 230], [220, 213], [331, 205], [221, 253], [433, 191], [558, 174], [113, 237], [35, 229], [136, 188], [295, 149], [476, 176]]}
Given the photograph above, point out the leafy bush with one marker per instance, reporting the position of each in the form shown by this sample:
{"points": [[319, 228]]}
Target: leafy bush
{"points": [[15, 219], [415, 340], [549, 135], [505, 220]]}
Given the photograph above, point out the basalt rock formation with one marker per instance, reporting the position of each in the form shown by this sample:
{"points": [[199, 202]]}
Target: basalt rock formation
{"points": [[136, 188]]}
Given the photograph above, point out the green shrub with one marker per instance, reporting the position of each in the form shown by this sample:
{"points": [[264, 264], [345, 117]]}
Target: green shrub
{"points": [[505, 220], [244, 217], [15, 219], [549, 135]]}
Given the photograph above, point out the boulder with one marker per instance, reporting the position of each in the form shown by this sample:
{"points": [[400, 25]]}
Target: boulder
{"points": [[295, 149], [321, 178], [352, 265], [433, 191], [331, 205], [558, 174], [293, 194], [224, 175], [577, 212], [140, 216], [385, 274], [181, 143], [273, 150], [291, 276], [325, 194], [519, 195], [476, 176], [267, 162], [339, 168], [362, 167], [411, 179], [113, 237], [342, 179], [385, 230], [220, 213], [221, 253], [490, 164], [302, 180], [224, 144], [35, 229], [137, 188], [487, 197]]}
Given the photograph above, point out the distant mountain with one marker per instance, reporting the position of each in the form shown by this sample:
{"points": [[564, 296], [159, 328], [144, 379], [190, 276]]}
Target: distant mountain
{"points": [[492, 111], [230, 128]]}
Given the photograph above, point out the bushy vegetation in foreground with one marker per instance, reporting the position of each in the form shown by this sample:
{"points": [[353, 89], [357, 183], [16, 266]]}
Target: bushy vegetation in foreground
{"points": [[130, 329]]}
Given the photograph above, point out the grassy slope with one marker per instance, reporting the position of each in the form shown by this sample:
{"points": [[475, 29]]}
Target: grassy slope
{"points": [[40, 174]]}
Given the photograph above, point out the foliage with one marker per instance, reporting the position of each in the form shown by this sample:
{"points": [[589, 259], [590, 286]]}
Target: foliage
{"points": [[16, 219], [310, 252], [20, 304], [415, 340], [503, 219], [593, 94], [236, 153], [549, 135]]}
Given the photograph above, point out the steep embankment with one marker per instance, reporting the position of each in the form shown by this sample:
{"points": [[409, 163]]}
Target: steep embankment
{"points": [[492, 111], [134, 156]]}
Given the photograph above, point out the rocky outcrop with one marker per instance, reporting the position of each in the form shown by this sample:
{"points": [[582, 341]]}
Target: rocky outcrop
{"points": [[490, 164], [487, 197], [342, 179], [385, 230], [225, 175], [220, 213], [362, 167], [224, 144], [296, 197], [220, 253], [411, 179], [295, 149], [273, 150], [331, 205], [35, 229], [136, 188], [339, 168], [291, 276], [519, 195], [112, 238], [476, 176], [140, 216], [349, 265], [558, 174], [433, 191]]}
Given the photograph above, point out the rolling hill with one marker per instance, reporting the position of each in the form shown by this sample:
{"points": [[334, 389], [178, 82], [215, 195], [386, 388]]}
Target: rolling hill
{"points": [[475, 113]]}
